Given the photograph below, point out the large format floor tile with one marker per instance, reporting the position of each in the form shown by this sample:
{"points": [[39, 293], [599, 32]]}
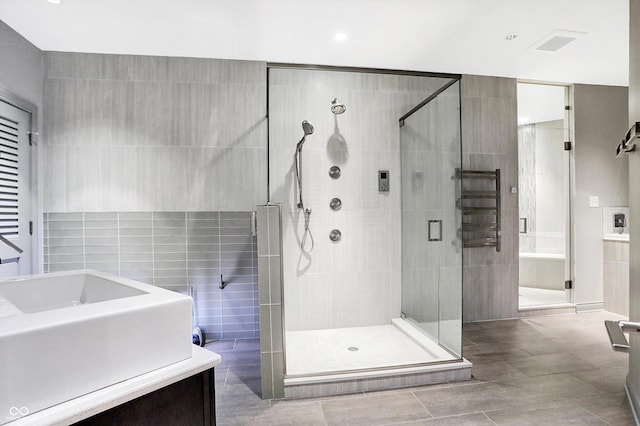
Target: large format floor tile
{"points": [[465, 399], [537, 371], [476, 419], [614, 409], [553, 414], [375, 409]]}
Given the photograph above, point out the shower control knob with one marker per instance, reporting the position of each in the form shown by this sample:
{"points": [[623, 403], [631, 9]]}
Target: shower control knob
{"points": [[335, 204], [335, 172], [335, 235]]}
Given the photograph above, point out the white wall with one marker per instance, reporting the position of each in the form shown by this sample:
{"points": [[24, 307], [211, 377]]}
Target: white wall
{"points": [[21, 78], [21, 66], [600, 121], [633, 380]]}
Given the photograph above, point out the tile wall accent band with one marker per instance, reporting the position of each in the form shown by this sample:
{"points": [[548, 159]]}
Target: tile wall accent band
{"points": [[173, 250], [270, 271]]}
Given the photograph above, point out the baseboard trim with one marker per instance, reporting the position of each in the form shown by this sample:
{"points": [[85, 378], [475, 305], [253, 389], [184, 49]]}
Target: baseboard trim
{"points": [[546, 310], [632, 396], [588, 307]]}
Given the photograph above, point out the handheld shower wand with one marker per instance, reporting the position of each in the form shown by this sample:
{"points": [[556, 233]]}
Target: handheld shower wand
{"points": [[307, 128]]}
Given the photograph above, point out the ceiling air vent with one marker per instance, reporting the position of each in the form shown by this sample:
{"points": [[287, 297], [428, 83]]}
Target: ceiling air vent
{"points": [[556, 40]]}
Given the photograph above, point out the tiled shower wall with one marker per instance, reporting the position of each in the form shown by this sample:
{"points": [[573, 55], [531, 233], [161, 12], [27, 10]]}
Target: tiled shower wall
{"points": [[356, 282], [173, 250]]}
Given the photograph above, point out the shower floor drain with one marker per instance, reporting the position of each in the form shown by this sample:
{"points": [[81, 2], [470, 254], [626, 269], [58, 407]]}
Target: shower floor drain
{"points": [[353, 348]]}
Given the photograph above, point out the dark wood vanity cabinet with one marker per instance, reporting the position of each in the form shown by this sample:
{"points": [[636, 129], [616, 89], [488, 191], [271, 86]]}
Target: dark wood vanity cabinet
{"points": [[190, 401]]}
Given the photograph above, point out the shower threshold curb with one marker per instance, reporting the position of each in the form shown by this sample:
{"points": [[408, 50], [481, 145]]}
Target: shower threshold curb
{"points": [[353, 382]]}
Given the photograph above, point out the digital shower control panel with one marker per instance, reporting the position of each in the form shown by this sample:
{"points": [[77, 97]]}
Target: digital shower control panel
{"points": [[383, 180]]}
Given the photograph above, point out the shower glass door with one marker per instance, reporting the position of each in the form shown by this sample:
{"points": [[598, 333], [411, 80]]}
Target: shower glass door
{"points": [[543, 196], [430, 149]]}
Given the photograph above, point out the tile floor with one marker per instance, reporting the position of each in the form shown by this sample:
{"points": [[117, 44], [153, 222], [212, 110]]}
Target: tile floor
{"points": [[548, 370]]}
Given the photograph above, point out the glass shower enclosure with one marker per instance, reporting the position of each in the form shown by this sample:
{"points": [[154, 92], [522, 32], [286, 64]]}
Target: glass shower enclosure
{"points": [[381, 287], [430, 149]]}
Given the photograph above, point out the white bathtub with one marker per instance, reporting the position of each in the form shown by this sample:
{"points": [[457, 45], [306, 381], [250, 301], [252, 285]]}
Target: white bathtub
{"points": [[63, 335], [542, 270]]}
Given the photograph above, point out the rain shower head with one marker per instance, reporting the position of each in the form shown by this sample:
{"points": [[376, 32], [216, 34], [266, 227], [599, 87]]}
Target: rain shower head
{"points": [[336, 107]]}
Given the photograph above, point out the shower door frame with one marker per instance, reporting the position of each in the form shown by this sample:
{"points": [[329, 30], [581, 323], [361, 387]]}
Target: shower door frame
{"points": [[458, 227]]}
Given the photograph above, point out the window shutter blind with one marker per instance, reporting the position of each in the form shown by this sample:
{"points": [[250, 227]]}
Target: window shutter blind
{"points": [[8, 177]]}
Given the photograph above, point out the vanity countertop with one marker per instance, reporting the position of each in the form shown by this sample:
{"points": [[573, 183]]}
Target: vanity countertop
{"points": [[85, 406]]}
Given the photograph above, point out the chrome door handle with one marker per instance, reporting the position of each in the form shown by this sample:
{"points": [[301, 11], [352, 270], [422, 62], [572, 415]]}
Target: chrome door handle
{"points": [[523, 225], [435, 230]]}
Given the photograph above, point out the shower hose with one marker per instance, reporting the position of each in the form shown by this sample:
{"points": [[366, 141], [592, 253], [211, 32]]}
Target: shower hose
{"points": [[306, 212]]}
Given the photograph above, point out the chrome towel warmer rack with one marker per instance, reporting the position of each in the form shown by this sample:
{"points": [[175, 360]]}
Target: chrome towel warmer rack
{"points": [[480, 205]]}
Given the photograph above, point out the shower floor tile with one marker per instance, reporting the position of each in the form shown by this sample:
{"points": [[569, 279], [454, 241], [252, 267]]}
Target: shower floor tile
{"points": [[356, 348]]}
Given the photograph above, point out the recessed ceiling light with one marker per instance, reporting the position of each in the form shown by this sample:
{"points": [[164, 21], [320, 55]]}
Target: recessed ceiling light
{"points": [[512, 36], [54, 1], [340, 37]]}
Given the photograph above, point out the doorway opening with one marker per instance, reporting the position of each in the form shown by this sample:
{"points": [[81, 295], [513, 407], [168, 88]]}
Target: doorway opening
{"points": [[544, 196]]}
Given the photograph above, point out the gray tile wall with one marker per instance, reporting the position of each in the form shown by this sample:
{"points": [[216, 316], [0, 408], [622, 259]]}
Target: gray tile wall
{"points": [[489, 141], [270, 272], [173, 250], [146, 133]]}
